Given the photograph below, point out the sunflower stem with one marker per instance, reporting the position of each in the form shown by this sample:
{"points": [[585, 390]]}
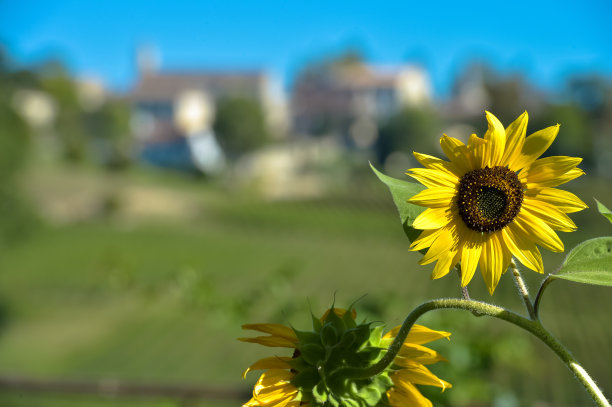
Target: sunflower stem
{"points": [[532, 326], [464, 290], [523, 291], [538, 298]]}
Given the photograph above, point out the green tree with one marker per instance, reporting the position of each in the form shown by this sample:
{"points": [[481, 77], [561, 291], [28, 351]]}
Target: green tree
{"points": [[410, 129], [69, 121], [109, 126], [240, 126], [16, 216]]}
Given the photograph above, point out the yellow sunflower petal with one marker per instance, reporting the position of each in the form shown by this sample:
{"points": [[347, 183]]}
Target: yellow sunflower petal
{"points": [[251, 403], [457, 153], [432, 218], [548, 168], [407, 395], [442, 244], [419, 334], [272, 379], [433, 163], [433, 178], [425, 239], [476, 147], [271, 341], [549, 214], [533, 147], [416, 373], [515, 138], [439, 197], [496, 141], [417, 353], [273, 362], [522, 247], [274, 330], [470, 254], [493, 260], [553, 182], [563, 200], [278, 398], [446, 262], [540, 232]]}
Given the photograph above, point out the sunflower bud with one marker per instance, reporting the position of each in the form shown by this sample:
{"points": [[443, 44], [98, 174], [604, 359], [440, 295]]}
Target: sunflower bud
{"points": [[337, 341]]}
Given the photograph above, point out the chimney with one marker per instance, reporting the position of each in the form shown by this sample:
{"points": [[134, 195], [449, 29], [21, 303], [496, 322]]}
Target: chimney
{"points": [[147, 59]]}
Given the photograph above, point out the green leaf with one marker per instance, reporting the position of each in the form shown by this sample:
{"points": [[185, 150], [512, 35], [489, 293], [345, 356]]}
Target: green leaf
{"points": [[590, 262], [401, 192], [604, 211]]}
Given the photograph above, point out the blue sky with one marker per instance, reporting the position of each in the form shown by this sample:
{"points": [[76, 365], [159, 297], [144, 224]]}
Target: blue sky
{"points": [[546, 40]]}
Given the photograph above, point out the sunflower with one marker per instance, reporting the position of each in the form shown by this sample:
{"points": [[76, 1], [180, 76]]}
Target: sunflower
{"points": [[494, 199], [298, 380], [409, 367], [274, 387]]}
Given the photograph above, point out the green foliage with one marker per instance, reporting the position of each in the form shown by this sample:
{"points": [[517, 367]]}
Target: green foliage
{"points": [[604, 211], [240, 125], [336, 342], [69, 124], [590, 263], [14, 141], [401, 192], [109, 126], [410, 129]]}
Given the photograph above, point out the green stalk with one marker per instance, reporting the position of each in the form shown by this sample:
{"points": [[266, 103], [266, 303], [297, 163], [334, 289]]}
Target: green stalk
{"points": [[533, 326], [522, 289]]}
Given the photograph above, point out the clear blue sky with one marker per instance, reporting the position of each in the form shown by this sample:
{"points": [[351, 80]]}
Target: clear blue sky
{"points": [[544, 39]]}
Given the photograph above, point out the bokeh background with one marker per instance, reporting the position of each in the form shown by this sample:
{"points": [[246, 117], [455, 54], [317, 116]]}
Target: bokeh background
{"points": [[172, 170]]}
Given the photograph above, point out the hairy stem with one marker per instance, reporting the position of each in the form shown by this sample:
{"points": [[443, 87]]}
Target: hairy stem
{"points": [[464, 290], [538, 298], [522, 289], [533, 326]]}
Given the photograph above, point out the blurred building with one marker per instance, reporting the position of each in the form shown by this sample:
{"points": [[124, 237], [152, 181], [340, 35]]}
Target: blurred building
{"points": [[173, 112], [350, 97]]}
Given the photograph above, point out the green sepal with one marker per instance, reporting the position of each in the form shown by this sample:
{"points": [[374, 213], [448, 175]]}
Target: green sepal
{"points": [[348, 320], [299, 364], [401, 191], [312, 353], [306, 379], [347, 340], [316, 323], [590, 262], [376, 335], [370, 395], [336, 321], [320, 393], [307, 337], [329, 335], [371, 354], [349, 402], [334, 401], [603, 210]]}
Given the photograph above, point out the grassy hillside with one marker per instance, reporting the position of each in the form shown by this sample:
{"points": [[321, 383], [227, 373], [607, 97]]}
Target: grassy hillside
{"points": [[161, 298]]}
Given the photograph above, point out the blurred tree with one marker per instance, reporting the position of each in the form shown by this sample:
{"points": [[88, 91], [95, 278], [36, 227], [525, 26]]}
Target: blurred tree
{"points": [[16, 217], [480, 87], [240, 126], [410, 129], [576, 132], [109, 126], [69, 121]]}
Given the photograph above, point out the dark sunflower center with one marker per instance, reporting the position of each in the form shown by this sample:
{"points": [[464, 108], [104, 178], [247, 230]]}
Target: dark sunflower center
{"points": [[489, 198]]}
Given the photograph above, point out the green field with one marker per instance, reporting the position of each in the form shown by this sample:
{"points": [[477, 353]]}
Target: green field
{"points": [[160, 298]]}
